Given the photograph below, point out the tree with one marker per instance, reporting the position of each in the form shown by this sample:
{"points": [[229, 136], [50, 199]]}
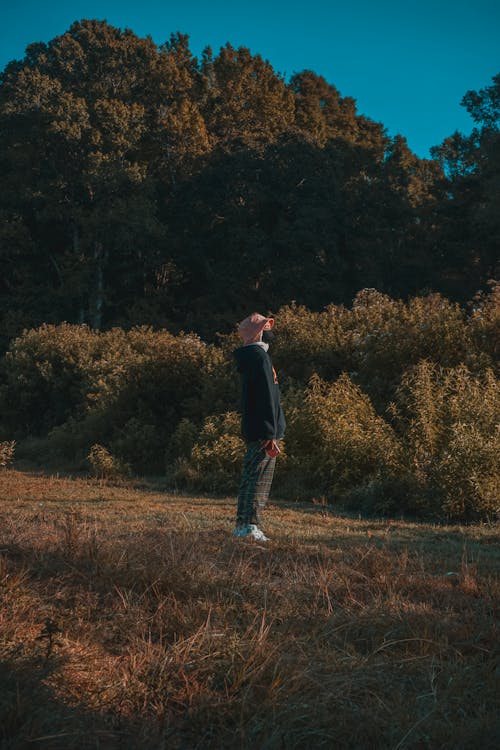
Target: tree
{"points": [[245, 102], [322, 114], [73, 130], [469, 212]]}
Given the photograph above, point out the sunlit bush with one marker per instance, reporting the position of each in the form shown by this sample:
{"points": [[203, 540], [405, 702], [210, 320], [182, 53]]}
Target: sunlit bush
{"points": [[104, 465], [335, 440], [44, 377], [450, 422], [7, 450], [485, 322], [391, 406], [215, 460], [378, 339], [129, 389]]}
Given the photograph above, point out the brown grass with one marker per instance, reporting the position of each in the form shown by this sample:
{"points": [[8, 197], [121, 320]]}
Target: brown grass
{"points": [[130, 618]]}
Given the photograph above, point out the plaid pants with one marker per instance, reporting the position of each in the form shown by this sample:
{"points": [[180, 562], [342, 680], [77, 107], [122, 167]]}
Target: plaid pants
{"points": [[256, 479]]}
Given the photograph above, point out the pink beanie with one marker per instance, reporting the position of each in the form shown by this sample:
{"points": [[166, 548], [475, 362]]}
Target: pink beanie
{"points": [[250, 328]]}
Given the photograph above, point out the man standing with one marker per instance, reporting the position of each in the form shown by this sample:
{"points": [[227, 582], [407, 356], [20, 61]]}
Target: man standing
{"points": [[262, 424]]}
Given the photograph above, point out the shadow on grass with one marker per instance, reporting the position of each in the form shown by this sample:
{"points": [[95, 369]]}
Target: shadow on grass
{"points": [[32, 716]]}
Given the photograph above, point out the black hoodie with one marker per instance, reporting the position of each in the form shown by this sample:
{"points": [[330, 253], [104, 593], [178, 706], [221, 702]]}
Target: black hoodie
{"points": [[262, 417]]}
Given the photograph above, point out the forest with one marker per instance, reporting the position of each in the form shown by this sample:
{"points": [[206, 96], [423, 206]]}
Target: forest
{"points": [[152, 199], [144, 186]]}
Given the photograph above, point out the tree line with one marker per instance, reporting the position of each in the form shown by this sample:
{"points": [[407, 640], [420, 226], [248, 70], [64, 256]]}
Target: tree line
{"points": [[142, 185]]}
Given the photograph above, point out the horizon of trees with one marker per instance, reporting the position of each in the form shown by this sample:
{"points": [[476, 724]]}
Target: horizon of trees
{"points": [[142, 185]]}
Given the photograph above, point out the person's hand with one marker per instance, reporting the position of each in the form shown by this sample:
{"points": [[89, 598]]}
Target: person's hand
{"points": [[271, 447]]}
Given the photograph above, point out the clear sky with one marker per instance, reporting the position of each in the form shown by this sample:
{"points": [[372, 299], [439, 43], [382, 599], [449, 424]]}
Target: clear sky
{"points": [[406, 62]]}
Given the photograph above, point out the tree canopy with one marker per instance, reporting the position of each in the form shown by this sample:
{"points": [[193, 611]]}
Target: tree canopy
{"points": [[142, 185]]}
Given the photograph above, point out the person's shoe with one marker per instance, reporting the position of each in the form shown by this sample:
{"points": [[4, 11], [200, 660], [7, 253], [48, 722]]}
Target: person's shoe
{"points": [[250, 530], [241, 530], [256, 533]]}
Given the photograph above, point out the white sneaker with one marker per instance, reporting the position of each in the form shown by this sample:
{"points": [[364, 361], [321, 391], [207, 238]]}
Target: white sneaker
{"points": [[251, 530], [256, 533]]}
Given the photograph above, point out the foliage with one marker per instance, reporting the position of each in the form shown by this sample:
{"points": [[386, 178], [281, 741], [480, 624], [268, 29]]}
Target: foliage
{"points": [[215, 459], [142, 185], [468, 229], [44, 376], [379, 338], [485, 321], [391, 406], [126, 388], [7, 450], [104, 465], [335, 440], [451, 421]]}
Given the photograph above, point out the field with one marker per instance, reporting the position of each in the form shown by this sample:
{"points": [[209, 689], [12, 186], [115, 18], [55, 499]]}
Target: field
{"points": [[130, 618]]}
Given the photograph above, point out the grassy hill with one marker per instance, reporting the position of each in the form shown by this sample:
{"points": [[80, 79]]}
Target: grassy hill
{"points": [[130, 618]]}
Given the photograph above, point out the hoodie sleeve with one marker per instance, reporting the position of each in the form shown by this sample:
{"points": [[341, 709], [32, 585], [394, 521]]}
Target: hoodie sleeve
{"points": [[266, 403]]}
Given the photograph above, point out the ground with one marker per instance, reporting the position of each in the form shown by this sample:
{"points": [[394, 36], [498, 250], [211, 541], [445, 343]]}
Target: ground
{"points": [[131, 618]]}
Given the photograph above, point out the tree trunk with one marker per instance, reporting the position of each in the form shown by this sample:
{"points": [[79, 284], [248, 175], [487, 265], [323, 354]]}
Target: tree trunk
{"points": [[76, 252], [97, 307]]}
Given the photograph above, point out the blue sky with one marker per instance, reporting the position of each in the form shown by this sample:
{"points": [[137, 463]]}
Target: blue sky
{"points": [[407, 63]]}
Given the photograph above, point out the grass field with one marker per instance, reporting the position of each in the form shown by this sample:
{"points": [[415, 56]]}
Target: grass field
{"points": [[130, 618]]}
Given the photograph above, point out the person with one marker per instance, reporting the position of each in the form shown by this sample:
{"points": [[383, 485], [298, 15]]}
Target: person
{"points": [[262, 423]]}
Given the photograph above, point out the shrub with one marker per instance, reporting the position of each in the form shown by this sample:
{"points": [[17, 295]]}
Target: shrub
{"points": [[469, 473], [310, 343], [391, 336], [7, 450], [215, 460], [44, 377], [385, 495], [104, 464], [335, 440], [485, 322], [129, 389], [149, 394], [379, 338], [450, 423], [182, 441], [141, 445]]}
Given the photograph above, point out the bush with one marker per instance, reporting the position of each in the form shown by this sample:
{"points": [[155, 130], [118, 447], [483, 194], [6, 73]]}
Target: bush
{"points": [[104, 464], [391, 336], [450, 420], [309, 343], [335, 441], [385, 495], [378, 339], [129, 389], [182, 441], [215, 460], [147, 395], [485, 322], [44, 377], [141, 445], [7, 450]]}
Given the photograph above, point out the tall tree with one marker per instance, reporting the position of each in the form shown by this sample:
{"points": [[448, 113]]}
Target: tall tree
{"points": [[245, 101], [470, 207], [73, 128], [177, 135], [322, 114]]}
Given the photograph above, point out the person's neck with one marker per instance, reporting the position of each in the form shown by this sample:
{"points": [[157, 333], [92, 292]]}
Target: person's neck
{"points": [[258, 343]]}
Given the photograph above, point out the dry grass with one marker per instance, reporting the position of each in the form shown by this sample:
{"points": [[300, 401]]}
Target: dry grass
{"points": [[131, 618]]}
